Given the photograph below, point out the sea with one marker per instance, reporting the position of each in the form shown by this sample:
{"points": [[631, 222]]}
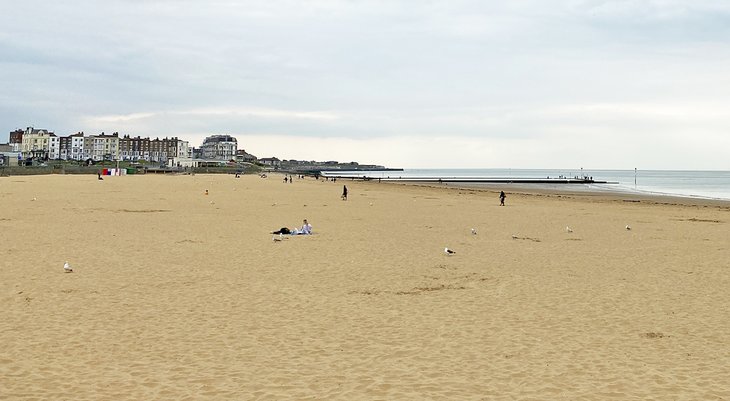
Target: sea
{"points": [[693, 184]]}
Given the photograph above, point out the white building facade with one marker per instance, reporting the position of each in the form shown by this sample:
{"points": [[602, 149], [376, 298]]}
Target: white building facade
{"points": [[220, 147]]}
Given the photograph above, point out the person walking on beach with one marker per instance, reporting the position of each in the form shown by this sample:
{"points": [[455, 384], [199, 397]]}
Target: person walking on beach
{"points": [[344, 192], [501, 198]]}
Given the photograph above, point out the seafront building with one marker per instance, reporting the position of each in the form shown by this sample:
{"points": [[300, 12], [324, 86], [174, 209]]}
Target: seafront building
{"points": [[219, 147], [16, 139], [270, 161], [244, 157], [71, 147], [38, 144]]}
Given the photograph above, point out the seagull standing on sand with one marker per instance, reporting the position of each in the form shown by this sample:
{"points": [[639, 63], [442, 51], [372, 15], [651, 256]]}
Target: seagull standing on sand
{"points": [[628, 227], [473, 231], [67, 268], [448, 251], [568, 229]]}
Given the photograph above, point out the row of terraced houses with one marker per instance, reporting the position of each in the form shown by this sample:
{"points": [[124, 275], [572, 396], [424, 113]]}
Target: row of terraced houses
{"points": [[40, 145]]}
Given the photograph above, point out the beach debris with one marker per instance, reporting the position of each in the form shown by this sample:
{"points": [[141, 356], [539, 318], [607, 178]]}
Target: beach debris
{"points": [[212, 203], [277, 239], [67, 268], [654, 335], [568, 229], [371, 203], [628, 227], [449, 252], [473, 231], [206, 192], [526, 238], [34, 199]]}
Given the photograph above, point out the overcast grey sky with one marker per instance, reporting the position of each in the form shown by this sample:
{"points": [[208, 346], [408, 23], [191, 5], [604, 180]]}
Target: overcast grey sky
{"points": [[531, 84]]}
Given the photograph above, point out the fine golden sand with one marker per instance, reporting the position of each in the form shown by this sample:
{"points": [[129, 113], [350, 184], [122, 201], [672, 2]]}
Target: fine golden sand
{"points": [[179, 295]]}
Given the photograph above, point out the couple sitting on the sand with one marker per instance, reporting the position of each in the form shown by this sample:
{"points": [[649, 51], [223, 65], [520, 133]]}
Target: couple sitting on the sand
{"points": [[305, 230]]}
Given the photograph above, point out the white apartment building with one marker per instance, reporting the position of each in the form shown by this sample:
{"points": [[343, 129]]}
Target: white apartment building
{"points": [[53, 148], [77, 147], [219, 147]]}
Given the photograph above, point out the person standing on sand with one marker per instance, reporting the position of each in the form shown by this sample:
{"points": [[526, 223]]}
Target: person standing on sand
{"points": [[501, 198], [344, 192]]}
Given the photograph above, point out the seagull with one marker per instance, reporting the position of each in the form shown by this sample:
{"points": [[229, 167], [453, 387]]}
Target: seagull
{"points": [[34, 199], [628, 227], [67, 268], [449, 251], [515, 236], [568, 229], [473, 231]]}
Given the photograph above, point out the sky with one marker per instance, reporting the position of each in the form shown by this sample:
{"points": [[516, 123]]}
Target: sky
{"points": [[412, 84]]}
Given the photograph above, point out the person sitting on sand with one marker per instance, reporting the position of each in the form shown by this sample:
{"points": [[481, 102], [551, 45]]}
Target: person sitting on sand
{"points": [[306, 229]]}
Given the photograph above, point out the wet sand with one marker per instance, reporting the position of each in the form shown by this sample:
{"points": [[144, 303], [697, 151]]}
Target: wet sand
{"points": [[179, 295]]}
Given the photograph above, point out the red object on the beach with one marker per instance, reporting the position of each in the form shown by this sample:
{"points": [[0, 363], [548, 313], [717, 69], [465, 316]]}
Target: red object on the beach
{"points": [[105, 171]]}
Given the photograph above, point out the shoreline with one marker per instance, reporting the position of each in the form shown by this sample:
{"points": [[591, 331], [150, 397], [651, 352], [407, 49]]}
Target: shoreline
{"points": [[700, 185], [585, 194]]}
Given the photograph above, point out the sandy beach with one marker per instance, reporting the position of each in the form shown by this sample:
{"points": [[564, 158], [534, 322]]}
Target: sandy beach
{"points": [[178, 295]]}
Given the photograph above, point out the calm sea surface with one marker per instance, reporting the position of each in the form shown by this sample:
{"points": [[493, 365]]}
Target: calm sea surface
{"points": [[703, 184]]}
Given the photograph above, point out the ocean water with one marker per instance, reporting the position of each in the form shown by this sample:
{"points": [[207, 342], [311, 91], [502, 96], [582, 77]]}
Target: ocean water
{"points": [[700, 184]]}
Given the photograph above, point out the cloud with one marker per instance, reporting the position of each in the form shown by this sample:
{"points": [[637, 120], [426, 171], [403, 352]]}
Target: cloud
{"points": [[475, 77], [211, 112]]}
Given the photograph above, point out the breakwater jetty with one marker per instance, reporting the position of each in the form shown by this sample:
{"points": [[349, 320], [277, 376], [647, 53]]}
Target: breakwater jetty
{"points": [[464, 180]]}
